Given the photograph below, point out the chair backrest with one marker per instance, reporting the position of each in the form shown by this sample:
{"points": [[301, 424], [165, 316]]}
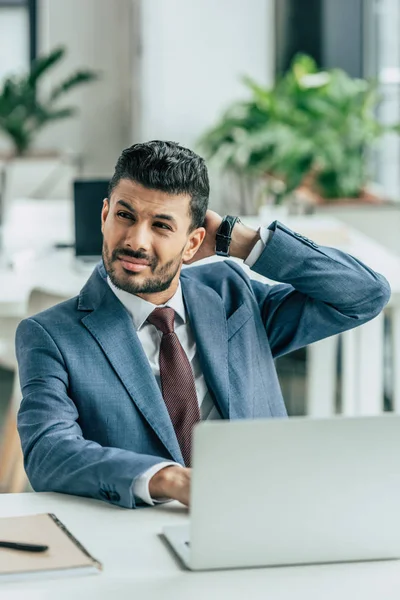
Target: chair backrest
{"points": [[40, 299]]}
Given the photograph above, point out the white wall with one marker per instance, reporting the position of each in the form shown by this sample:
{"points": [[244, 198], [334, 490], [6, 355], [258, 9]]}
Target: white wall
{"points": [[14, 51], [97, 34], [193, 54], [388, 59]]}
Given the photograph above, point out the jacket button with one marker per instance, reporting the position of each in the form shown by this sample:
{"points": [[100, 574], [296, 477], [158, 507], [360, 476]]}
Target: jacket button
{"points": [[113, 496]]}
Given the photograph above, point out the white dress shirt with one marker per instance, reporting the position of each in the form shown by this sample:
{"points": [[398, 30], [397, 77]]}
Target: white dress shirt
{"points": [[150, 338]]}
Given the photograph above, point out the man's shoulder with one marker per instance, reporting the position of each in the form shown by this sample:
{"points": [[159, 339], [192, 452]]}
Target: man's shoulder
{"points": [[225, 278], [210, 271], [60, 322], [70, 309], [63, 312]]}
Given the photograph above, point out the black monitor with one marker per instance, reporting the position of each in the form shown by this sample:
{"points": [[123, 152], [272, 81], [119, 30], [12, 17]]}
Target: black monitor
{"points": [[88, 201]]}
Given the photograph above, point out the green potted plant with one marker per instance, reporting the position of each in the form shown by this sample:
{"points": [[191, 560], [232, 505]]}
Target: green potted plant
{"points": [[25, 110], [307, 134], [26, 107]]}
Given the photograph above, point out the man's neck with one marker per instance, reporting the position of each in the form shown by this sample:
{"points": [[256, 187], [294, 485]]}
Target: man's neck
{"points": [[160, 298]]}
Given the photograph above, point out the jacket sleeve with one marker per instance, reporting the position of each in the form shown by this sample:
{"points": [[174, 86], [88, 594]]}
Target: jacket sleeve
{"points": [[57, 458], [323, 291]]}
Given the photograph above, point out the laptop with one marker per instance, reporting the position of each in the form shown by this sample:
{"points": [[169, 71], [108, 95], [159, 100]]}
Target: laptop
{"points": [[292, 491], [88, 201]]}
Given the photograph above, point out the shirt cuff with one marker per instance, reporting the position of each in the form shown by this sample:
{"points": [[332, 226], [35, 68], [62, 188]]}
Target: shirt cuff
{"points": [[265, 235], [140, 486]]}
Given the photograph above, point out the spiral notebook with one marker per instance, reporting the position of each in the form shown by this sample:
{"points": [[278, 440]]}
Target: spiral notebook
{"points": [[65, 555]]}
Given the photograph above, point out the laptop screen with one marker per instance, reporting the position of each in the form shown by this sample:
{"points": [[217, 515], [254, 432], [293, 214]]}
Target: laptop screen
{"points": [[88, 201]]}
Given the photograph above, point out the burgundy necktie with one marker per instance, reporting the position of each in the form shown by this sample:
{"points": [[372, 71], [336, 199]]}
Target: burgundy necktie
{"points": [[177, 380]]}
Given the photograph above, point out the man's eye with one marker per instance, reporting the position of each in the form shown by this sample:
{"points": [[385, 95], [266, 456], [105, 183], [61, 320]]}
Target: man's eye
{"points": [[124, 215], [163, 226]]}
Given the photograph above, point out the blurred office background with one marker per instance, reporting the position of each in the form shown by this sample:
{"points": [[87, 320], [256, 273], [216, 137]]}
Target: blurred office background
{"points": [[168, 69]]}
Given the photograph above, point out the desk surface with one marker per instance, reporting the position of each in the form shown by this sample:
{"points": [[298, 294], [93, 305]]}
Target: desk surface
{"points": [[137, 564], [34, 226]]}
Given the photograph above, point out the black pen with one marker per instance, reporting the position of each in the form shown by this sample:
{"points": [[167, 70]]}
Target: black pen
{"points": [[23, 547]]}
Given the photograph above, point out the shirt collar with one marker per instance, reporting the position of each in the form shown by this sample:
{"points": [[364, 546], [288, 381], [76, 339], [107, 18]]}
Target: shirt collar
{"points": [[140, 309]]}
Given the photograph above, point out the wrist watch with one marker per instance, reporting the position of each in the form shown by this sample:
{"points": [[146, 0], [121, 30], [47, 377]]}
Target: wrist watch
{"points": [[224, 235]]}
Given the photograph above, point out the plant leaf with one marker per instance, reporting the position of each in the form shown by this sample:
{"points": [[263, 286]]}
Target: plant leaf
{"points": [[42, 64], [311, 126], [62, 113], [73, 81]]}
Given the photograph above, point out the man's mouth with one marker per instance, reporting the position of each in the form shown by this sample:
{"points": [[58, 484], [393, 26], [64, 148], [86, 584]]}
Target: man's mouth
{"points": [[136, 265]]}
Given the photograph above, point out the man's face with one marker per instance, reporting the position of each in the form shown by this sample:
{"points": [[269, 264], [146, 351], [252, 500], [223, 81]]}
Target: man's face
{"points": [[146, 238]]}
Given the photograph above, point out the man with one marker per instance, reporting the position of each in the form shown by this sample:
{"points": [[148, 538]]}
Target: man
{"points": [[114, 379]]}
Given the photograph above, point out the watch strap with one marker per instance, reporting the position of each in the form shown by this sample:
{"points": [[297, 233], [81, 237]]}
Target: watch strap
{"points": [[223, 236]]}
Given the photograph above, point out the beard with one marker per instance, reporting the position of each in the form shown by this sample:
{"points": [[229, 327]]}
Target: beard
{"points": [[160, 280]]}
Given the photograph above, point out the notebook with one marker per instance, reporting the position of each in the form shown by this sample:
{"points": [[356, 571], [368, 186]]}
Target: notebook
{"points": [[65, 555]]}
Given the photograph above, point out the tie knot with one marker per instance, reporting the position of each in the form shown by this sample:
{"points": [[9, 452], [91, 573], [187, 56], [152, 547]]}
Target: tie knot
{"points": [[163, 319]]}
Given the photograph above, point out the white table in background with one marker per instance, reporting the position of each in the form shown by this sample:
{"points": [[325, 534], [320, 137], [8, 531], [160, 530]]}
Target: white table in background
{"points": [[138, 564], [35, 225]]}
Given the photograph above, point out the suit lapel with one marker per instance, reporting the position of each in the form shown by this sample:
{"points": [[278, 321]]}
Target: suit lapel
{"points": [[111, 326], [208, 322]]}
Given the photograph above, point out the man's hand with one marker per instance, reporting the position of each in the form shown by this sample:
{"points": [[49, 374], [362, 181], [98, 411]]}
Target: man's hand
{"points": [[212, 222], [171, 482], [243, 239]]}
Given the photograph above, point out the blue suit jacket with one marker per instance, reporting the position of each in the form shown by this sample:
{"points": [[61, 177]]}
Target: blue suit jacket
{"points": [[92, 417]]}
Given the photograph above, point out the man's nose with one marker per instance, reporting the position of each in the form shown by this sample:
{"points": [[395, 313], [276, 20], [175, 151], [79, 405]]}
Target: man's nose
{"points": [[139, 237]]}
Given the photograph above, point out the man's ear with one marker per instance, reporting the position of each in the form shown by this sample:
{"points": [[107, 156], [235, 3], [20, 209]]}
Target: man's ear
{"points": [[104, 212], [194, 242]]}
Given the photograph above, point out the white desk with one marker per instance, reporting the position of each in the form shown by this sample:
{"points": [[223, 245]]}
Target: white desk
{"points": [[137, 563], [34, 225]]}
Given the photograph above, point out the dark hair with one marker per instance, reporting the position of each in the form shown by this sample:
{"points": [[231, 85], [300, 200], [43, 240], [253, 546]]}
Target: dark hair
{"points": [[167, 167]]}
